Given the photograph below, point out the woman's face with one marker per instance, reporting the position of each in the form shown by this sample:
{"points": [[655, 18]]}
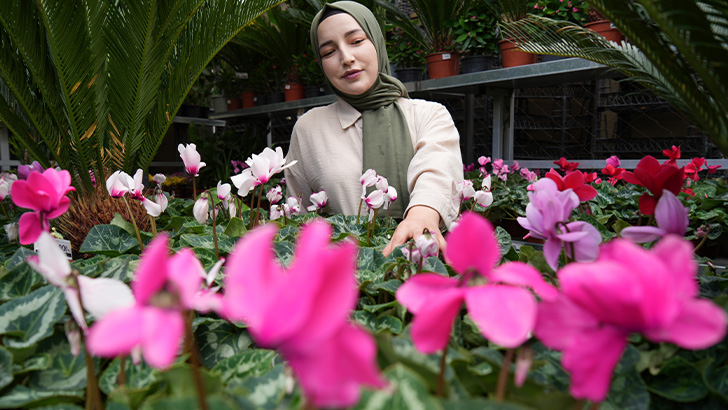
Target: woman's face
{"points": [[348, 57]]}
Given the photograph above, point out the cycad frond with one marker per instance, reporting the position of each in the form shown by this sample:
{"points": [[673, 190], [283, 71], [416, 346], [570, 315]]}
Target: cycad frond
{"points": [[652, 61]]}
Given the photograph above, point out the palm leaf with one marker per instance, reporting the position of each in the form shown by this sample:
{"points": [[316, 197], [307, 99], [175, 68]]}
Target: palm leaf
{"points": [[651, 61]]}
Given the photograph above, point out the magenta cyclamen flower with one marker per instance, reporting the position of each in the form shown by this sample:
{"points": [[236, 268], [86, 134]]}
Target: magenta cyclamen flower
{"points": [[163, 287], [628, 289], [46, 195], [303, 312], [503, 308], [547, 217], [671, 217]]}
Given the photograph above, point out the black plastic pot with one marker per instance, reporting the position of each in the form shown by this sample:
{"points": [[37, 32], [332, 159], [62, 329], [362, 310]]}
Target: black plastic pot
{"points": [[312, 91], [548, 57], [410, 74], [473, 64], [276, 98]]}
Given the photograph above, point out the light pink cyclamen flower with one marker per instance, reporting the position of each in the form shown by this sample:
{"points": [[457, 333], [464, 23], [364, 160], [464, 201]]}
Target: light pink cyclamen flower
{"points": [[266, 164], [100, 295], [367, 179], [671, 217], [528, 175], [46, 195], [163, 287], [152, 208], [547, 217], [6, 183], [503, 309], [274, 194], [465, 191], [119, 183], [318, 201], [161, 199], [628, 289], [191, 158], [201, 210], [389, 196], [303, 312], [137, 189]]}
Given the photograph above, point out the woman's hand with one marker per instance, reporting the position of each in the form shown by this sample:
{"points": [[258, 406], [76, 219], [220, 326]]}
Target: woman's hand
{"points": [[418, 218]]}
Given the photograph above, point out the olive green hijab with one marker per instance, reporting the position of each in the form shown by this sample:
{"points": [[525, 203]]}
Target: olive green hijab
{"points": [[387, 144]]}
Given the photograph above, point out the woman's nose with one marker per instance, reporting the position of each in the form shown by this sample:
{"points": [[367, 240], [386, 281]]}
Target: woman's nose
{"points": [[347, 57]]}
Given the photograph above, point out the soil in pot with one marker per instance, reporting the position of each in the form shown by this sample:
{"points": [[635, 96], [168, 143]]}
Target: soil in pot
{"points": [[473, 64], [410, 74], [513, 57], [443, 64], [606, 29]]}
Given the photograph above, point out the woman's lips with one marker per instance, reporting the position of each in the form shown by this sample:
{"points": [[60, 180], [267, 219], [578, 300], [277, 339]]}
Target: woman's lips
{"points": [[352, 75]]}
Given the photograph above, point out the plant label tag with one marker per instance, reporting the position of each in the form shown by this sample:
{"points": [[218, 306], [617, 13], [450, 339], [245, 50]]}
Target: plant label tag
{"points": [[64, 244], [446, 56], [288, 87]]}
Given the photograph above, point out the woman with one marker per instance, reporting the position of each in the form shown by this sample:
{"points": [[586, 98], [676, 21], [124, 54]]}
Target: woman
{"points": [[374, 124]]}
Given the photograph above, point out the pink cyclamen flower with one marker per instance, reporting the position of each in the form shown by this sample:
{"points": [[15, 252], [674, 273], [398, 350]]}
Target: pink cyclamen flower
{"points": [[547, 217], [318, 201], [613, 161], [119, 183], [163, 287], [266, 164], [573, 180], [503, 309], [137, 189], [528, 175], [628, 289], [44, 193], [671, 217], [100, 295], [303, 312], [191, 158]]}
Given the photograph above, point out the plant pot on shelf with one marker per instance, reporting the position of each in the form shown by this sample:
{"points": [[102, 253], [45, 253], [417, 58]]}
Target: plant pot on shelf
{"points": [[234, 103], [410, 74], [326, 89], [512, 56], [276, 98], [473, 64], [545, 58], [294, 91], [248, 98], [443, 64], [219, 103], [312, 91], [606, 29]]}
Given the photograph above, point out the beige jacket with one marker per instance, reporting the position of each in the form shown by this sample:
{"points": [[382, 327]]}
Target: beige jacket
{"points": [[327, 143]]}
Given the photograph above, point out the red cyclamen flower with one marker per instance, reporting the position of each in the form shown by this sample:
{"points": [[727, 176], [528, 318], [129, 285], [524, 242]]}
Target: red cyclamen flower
{"points": [[656, 177], [574, 180], [565, 165]]}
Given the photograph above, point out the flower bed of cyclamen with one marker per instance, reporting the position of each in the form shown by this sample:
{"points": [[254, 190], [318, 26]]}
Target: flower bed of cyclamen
{"points": [[227, 305]]}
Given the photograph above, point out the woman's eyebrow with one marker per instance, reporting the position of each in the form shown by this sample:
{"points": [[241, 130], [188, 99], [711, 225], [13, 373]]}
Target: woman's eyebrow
{"points": [[347, 34]]}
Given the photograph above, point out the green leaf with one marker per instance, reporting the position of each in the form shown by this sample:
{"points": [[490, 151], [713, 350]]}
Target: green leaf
{"points": [[235, 228], [370, 259], [366, 319], [265, 391], [346, 224], [220, 340], [18, 257], [138, 377], [21, 396], [679, 381], [390, 323], [26, 320], [108, 240], [407, 391], [181, 382], [18, 281], [434, 264], [66, 371], [389, 286], [252, 362], [38, 362], [628, 390], [122, 223], [185, 403], [224, 244], [6, 367], [284, 252]]}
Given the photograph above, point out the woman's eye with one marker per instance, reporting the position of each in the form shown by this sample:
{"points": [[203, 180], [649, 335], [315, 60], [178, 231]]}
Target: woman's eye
{"points": [[327, 53]]}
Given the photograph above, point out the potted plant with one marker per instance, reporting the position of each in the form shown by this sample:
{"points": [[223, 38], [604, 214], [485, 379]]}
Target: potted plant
{"points": [[574, 11], [476, 39], [404, 52], [433, 15], [600, 24], [509, 11], [310, 73]]}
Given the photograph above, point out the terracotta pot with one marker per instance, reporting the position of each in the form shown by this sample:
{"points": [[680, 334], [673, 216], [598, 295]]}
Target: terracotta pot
{"points": [[294, 91], [513, 57], [605, 29], [443, 64], [234, 103], [248, 98]]}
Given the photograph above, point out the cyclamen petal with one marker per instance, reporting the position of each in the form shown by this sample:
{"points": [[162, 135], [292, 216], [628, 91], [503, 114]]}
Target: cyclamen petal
{"points": [[486, 305]]}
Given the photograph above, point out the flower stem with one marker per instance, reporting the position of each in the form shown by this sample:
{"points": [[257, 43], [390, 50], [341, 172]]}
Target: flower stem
{"points": [[254, 222], [361, 201], [214, 227], [93, 396], [122, 371], [500, 392], [194, 187], [153, 223], [5, 210], [702, 242], [195, 366], [133, 221], [441, 375]]}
